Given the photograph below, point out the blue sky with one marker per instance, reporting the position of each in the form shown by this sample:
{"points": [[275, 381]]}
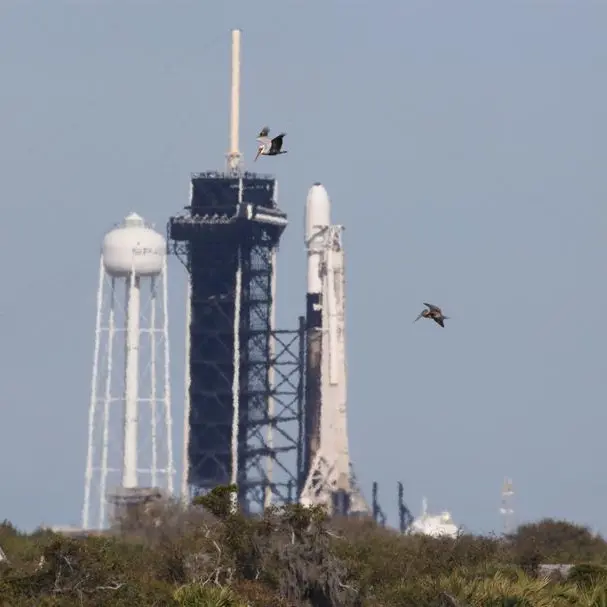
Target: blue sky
{"points": [[463, 147]]}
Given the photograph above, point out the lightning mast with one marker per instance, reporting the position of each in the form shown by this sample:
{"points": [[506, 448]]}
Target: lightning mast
{"points": [[234, 157], [331, 481]]}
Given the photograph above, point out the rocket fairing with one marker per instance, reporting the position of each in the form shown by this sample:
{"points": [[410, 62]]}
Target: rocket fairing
{"points": [[318, 217]]}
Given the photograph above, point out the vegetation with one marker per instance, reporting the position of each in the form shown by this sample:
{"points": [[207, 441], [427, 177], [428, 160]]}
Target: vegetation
{"points": [[169, 556]]}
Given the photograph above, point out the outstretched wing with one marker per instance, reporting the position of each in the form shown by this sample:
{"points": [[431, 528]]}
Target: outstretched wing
{"points": [[440, 322], [419, 315], [277, 142], [432, 307], [265, 131]]}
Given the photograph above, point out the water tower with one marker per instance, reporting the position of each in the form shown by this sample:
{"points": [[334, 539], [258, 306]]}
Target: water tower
{"points": [[130, 451]]}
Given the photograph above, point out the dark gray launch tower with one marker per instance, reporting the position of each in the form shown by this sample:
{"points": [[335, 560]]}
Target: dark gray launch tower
{"points": [[238, 361]]}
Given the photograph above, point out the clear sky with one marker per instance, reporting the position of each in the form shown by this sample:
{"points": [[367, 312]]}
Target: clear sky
{"points": [[463, 147]]}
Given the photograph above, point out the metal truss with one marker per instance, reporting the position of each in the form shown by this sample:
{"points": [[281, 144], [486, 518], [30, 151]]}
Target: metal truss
{"points": [[270, 407]]}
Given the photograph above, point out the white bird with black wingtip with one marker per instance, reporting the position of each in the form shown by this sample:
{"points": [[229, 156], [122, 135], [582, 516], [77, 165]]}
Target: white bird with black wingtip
{"points": [[269, 146]]}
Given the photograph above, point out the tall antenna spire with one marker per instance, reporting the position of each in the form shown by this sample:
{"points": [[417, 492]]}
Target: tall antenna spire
{"points": [[234, 157], [506, 510]]}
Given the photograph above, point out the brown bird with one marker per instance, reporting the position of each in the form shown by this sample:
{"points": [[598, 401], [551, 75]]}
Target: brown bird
{"points": [[433, 312], [269, 146]]}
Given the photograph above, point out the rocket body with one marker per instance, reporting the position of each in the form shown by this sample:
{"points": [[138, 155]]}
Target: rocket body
{"points": [[318, 217], [329, 479]]}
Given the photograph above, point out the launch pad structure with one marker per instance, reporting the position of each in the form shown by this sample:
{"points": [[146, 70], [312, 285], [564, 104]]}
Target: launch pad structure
{"points": [[245, 376], [265, 409]]}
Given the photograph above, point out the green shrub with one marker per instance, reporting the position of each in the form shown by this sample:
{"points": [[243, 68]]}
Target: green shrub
{"points": [[586, 575]]}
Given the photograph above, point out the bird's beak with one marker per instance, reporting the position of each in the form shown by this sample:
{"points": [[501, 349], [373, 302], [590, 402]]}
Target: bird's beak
{"points": [[418, 317], [257, 156]]}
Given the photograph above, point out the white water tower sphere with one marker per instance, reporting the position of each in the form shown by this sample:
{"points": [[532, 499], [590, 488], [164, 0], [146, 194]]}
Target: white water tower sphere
{"points": [[133, 246]]}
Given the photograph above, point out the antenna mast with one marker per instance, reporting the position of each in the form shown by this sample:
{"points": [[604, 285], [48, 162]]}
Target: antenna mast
{"points": [[506, 510], [234, 157]]}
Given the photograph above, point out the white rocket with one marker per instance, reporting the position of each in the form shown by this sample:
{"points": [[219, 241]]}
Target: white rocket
{"points": [[329, 477], [318, 218]]}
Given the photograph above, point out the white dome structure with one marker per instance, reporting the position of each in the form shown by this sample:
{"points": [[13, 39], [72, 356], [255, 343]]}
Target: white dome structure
{"points": [[133, 246], [440, 525]]}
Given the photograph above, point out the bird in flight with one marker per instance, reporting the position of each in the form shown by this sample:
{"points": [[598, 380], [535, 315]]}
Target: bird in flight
{"points": [[433, 312], [269, 146]]}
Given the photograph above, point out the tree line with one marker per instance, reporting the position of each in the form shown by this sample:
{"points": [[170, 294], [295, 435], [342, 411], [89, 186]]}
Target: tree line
{"points": [[168, 555]]}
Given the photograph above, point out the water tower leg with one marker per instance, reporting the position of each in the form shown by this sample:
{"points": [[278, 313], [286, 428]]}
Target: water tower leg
{"points": [[88, 475]]}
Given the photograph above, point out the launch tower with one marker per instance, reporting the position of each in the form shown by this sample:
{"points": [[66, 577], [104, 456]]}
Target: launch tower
{"points": [[244, 393]]}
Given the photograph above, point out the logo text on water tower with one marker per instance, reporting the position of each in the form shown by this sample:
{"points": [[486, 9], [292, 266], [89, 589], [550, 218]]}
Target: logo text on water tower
{"points": [[148, 250]]}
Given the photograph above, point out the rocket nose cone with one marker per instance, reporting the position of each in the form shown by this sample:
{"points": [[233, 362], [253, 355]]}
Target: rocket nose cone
{"points": [[317, 195], [318, 209], [317, 186]]}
